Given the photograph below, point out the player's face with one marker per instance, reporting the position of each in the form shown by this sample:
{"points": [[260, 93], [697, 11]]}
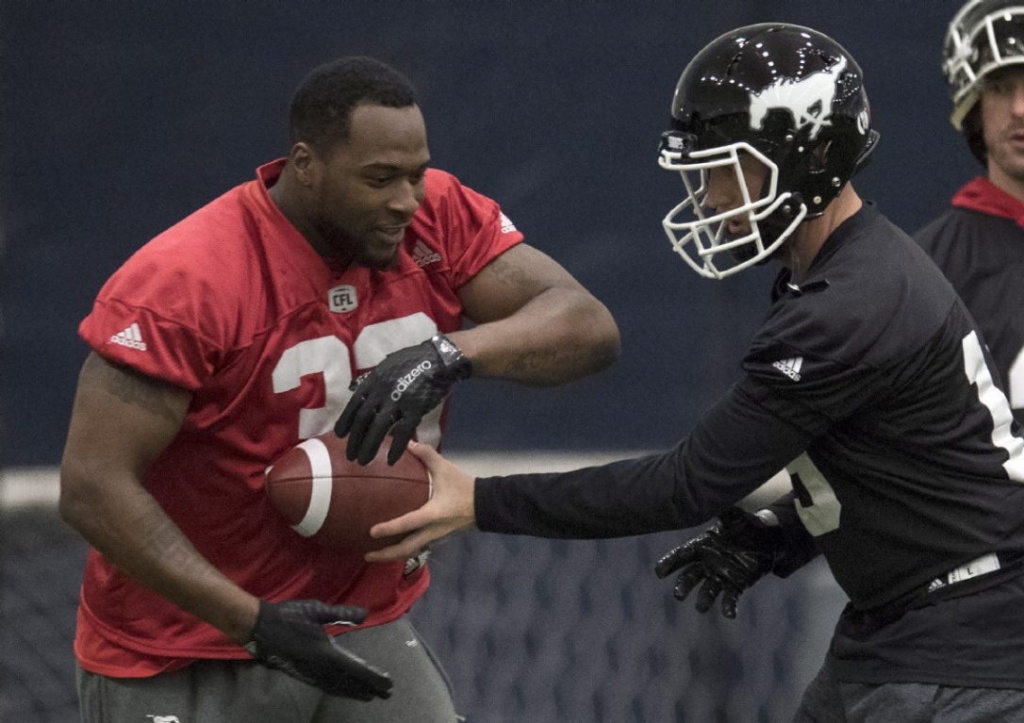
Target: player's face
{"points": [[725, 191], [372, 184], [1002, 116]]}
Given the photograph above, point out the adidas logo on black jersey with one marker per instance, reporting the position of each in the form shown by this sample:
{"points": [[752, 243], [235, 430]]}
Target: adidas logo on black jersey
{"points": [[790, 367]]}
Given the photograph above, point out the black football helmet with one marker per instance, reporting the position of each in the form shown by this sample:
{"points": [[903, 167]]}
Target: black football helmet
{"points": [[787, 95]]}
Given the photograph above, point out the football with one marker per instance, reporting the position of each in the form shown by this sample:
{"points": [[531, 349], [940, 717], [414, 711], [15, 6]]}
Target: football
{"points": [[335, 502]]}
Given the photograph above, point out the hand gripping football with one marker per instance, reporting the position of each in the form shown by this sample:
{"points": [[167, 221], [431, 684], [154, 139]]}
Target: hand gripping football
{"points": [[335, 502]]}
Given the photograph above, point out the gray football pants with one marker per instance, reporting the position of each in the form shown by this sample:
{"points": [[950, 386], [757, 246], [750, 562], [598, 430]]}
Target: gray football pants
{"points": [[828, 700], [224, 691]]}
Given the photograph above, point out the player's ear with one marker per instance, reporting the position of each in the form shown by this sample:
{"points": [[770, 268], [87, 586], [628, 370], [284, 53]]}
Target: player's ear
{"points": [[304, 164]]}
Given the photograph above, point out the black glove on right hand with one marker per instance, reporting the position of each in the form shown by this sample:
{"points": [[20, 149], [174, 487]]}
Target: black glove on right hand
{"points": [[728, 558], [290, 637]]}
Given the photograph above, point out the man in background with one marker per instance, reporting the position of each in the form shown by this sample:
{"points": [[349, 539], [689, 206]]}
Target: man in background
{"points": [[979, 242]]}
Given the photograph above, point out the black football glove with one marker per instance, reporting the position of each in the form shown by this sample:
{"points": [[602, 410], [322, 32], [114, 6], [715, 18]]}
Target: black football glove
{"points": [[290, 637], [729, 557], [396, 394]]}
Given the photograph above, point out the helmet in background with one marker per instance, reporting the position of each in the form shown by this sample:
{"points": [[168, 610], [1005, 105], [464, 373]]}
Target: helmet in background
{"points": [[984, 36]]}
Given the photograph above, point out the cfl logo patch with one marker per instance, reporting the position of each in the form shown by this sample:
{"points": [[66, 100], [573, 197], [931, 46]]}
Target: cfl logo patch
{"points": [[342, 299]]}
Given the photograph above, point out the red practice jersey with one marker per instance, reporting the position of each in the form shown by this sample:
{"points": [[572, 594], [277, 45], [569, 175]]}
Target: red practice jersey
{"points": [[234, 305]]}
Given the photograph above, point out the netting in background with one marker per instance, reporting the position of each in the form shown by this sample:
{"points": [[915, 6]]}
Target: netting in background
{"points": [[529, 630], [552, 631], [40, 573]]}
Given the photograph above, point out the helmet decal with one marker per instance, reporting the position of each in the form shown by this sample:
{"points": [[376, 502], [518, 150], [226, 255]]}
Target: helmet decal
{"points": [[808, 100]]}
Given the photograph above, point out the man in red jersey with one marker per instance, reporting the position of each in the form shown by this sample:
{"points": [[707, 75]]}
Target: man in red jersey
{"points": [[234, 335]]}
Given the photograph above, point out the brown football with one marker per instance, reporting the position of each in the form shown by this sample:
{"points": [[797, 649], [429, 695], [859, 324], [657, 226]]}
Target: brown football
{"points": [[335, 502]]}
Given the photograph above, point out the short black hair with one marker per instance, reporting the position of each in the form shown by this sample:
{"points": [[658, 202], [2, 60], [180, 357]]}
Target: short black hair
{"points": [[321, 108]]}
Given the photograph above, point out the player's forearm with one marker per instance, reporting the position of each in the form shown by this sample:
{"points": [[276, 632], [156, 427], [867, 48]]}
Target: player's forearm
{"points": [[561, 335], [125, 524], [627, 497]]}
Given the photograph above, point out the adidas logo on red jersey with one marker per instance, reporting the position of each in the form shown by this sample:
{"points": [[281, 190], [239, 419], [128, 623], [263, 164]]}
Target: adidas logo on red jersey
{"points": [[130, 337], [506, 224], [423, 254]]}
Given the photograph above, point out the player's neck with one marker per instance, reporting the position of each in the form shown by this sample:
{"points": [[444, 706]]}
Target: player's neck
{"points": [[1010, 185], [283, 195], [291, 207], [811, 236]]}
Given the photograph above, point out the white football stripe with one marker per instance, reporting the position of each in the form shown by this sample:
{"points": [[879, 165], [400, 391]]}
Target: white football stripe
{"points": [[320, 496]]}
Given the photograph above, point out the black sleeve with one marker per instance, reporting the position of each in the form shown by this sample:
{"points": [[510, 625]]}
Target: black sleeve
{"points": [[800, 546], [736, 447]]}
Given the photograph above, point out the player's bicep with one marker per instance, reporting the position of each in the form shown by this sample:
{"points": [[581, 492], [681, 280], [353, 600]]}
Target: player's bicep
{"points": [[121, 420], [511, 281]]}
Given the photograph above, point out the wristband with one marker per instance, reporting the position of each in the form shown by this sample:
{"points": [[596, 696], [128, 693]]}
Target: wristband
{"points": [[452, 358]]}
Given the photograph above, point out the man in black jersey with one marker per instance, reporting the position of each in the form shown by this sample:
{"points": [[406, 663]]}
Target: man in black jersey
{"points": [[868, 381], [978, 244]]}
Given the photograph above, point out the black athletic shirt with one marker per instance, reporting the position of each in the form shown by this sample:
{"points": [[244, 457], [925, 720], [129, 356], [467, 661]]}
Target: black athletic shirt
{"points": [[979, 245], [869, 383]]}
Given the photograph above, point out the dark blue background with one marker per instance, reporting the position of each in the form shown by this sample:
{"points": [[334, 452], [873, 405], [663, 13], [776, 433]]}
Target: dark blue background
{"points": [[119, 118]]}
